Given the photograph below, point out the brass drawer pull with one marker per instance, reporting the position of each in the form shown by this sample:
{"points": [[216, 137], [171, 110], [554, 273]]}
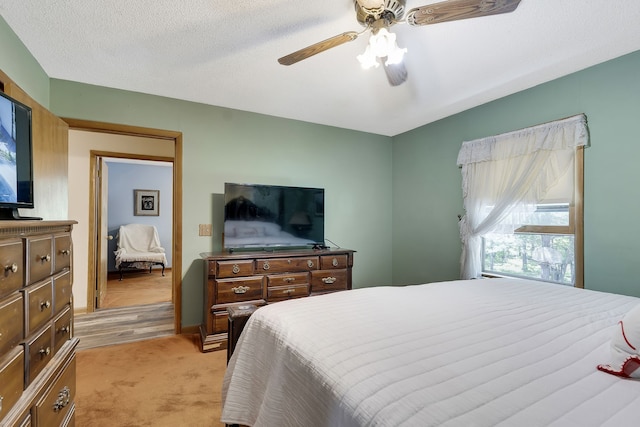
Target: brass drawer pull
{"points": [[240, 289], [44, 305], [289, 279], [45, 258], [65, 329], [235, 269], [45, 351], [266, 265], [334, 262], [11, 268], [310, 263], [328, 280], [64, 398], [288, 291], [65, 252]]}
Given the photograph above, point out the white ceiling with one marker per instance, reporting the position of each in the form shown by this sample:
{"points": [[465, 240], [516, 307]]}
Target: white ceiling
{"points": [[224, 52]]}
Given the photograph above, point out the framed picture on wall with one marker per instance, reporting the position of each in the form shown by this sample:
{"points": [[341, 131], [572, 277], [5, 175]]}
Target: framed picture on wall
{"points": [[146, 202]]}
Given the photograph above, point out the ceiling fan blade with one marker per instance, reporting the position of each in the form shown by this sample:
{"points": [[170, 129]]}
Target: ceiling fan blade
{"points": [[454, 10], [396, 73], [316, 48]]}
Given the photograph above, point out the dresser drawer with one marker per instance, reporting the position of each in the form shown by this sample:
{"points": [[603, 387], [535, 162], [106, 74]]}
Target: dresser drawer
{"points": [[328, 280], [220, 321], [40, 260], [11, 379], [53, 408], [281, 293], [12, 265], [288, 279], [328, 262], [38, 302], [39, 353], [239, 290], [287, 265], [239, 268], [11, 322], [62, 329], [61, 291], [62, 252]]}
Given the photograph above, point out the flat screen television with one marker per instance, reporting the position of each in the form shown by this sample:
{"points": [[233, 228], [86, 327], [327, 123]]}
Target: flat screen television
{"points": [[271, 216], [16, 177]]}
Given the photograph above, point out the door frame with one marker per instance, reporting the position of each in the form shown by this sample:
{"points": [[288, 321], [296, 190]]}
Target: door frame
{"points": [[96, 157], [176, 264]]}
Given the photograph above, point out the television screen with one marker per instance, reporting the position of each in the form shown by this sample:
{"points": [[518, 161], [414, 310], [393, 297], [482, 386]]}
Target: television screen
{"points": [[16, 183], [263, 216]]}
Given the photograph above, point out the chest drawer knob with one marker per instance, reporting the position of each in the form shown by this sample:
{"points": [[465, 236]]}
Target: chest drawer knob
{"points": [[13, 268], [266, 265], [65, 329], [44, 305], [65, 252], [334, 262], [310, 263], [45, 258], [329, 280], [235, 269], [64, 397], [45, 351], [240, 289]]}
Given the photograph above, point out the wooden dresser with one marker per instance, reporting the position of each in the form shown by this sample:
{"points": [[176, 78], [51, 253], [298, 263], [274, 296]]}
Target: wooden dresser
{"points": [[37, 351], [265, 277]]}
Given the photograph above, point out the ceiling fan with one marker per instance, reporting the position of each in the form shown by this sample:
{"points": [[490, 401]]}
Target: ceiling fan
{"points": [[377, 16]]}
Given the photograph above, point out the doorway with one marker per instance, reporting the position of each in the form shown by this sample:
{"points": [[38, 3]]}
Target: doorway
{"points": [[93, 234], [117, 180]]}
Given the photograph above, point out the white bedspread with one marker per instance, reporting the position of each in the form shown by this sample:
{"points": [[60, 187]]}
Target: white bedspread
{"points": [[495, 352]]}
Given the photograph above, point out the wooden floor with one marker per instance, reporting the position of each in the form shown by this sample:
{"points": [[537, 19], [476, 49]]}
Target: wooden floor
{"points": [[138, 288], [137, 308]]}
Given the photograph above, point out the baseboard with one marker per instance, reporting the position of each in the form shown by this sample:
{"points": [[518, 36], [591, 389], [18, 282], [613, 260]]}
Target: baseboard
{"points": [[194, 329]]}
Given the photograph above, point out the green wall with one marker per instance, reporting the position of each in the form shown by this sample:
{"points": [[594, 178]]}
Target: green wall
{"points": [[427, 182], [221, 144], [21, 66]]}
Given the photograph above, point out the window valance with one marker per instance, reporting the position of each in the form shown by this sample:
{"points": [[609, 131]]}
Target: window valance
{"points": [[561, 134]]}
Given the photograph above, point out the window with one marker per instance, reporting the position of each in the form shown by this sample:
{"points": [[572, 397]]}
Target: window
{"points": [[544, 246], [544, 249], [523, 196]]}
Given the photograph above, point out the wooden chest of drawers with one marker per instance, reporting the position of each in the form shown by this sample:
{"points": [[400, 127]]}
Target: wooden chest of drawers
{"points": [[37, 351], [259, 278]]}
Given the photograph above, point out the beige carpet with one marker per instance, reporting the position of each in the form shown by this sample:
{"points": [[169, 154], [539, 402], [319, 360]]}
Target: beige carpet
{"points": [[159, 382]]}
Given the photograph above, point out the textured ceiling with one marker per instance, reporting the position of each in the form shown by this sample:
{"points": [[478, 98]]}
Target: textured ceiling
{"points": [[224, 53]]}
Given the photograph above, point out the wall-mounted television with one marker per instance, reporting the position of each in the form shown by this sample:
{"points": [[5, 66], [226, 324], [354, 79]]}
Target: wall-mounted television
{"points": [[272, 216], [16, 176]]}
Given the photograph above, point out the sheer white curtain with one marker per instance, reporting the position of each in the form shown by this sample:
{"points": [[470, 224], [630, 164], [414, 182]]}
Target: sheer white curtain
{"points": [[510, 173]]}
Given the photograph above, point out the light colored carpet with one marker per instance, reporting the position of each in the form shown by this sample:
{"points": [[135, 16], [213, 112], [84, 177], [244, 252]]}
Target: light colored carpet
{"points": [[159, 382]]}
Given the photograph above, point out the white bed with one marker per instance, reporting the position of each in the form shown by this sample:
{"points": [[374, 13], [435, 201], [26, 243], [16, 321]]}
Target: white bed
{"points": [[493, 352]]}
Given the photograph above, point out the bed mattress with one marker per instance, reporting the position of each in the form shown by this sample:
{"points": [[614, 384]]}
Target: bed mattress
{"points": [[492, 352]]}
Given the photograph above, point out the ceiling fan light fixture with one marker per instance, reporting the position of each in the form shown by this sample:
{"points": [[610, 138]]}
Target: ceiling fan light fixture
{"points": [[395, 56], [368, 59], [382, 44]]}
